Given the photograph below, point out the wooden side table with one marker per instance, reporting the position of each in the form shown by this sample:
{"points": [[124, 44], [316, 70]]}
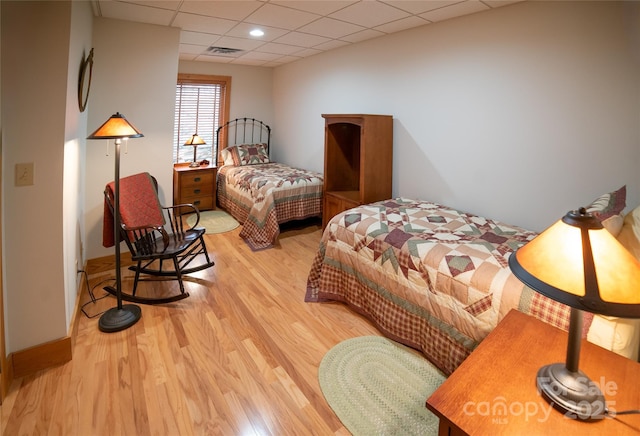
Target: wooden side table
{"points": [[494, 390], [195, 185]]}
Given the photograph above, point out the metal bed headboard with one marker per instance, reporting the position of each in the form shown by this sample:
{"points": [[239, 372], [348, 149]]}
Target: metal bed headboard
{"points": [[242, 131]]}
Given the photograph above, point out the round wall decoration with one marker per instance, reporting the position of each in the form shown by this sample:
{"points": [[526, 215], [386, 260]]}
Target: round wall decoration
{"points": [[84, 83]]}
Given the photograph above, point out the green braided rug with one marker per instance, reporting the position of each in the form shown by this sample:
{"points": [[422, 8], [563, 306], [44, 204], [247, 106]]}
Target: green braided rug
{"points": [[376, 386], [215, 221]]}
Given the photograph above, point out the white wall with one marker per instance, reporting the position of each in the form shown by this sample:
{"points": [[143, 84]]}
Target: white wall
{"points": [[34, 97], [520, 113], [74, 156], [251, 87], [135, 72]]}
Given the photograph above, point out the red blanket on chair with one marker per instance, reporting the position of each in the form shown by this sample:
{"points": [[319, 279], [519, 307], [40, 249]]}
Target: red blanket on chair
{"points": [[139, 205]]}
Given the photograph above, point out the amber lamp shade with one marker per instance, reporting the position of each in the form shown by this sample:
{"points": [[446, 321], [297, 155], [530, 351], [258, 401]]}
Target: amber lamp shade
{"points": [[579, 263], [116, 127], [194, 141]]}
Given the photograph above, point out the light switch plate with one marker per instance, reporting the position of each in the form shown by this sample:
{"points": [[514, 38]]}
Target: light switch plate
{"points": [[24, 174]]}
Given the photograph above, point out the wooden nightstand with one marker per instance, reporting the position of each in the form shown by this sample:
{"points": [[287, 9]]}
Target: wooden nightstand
{"points": [[195, 185], [494, 390]]}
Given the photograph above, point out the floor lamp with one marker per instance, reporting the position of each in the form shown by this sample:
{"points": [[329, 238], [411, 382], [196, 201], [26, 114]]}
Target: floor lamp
{"points": [[122, 316]]}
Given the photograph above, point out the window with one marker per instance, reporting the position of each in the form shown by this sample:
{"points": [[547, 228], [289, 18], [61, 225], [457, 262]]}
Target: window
{"points": [[202, 105]]}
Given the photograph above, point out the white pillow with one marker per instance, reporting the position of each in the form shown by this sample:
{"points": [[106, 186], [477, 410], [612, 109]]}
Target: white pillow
{"points": [[614, 224], [629, 236], [227, 155]]}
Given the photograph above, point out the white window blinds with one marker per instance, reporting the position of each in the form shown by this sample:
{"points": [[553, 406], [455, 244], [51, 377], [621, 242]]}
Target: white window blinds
{"points": [[198, 110]]}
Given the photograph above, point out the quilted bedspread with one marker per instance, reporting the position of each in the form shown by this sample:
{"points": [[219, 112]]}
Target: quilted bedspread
{"points": [[428, 276], [262, 196]]}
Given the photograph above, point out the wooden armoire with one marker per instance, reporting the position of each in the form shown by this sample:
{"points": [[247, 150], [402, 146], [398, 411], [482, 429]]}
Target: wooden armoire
{"points": [[358, 159]]}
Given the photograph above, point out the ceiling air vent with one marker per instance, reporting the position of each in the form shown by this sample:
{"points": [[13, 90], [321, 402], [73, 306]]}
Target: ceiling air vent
{"points": [[223, 51]]}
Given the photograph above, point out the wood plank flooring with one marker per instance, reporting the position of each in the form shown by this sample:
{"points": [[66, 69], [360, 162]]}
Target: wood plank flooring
{"points": [[238, 357]]}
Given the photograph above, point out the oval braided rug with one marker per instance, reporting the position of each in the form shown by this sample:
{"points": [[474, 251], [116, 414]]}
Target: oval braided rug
{"points": [[377, 386], [215, 221]]}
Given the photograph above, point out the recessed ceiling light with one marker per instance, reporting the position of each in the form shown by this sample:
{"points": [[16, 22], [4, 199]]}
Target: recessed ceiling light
{"points": [[256, 32]]}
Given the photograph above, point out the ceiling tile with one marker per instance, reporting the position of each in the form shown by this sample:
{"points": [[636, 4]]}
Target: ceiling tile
{"points": [[331, 45], [369, 14], [250, 62], [420, 6], [161, 4], [498, 3], [457, 10], [257, 55], [272, 47], [331, 28], [286, 59], [231, 10], [241, 43], [302, 39], [322, 7], [363, 35], [198, 38], [131, 12], [278, 16], [403, 24], [217, 59], [308, 52], [270, 33], [199, 23]]}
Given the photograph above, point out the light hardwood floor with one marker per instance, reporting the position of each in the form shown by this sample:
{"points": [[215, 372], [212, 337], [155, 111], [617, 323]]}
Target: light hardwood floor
{"points": [[238, 357]]}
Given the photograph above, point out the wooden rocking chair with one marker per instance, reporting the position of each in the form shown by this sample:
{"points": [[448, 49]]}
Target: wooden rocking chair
{"points": [[152, 247]]}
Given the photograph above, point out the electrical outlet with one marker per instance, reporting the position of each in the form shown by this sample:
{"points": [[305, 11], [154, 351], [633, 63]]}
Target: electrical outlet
{"points": [[24, 174]]}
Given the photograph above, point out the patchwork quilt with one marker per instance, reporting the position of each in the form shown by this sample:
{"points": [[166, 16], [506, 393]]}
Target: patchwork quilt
{"points": [[262, 196], [430, 277]]}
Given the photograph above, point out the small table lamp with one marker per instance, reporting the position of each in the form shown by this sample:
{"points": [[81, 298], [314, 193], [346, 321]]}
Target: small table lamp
{"points": [[578, 263], [122, 316], [194, 141]]}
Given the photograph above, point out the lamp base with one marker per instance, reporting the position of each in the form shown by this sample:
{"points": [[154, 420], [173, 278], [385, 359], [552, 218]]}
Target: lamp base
{"points": [[571, 392], [114, 319]]}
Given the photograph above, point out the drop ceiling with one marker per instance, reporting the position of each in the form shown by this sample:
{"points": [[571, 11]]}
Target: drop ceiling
{"points": [[218, 31]]}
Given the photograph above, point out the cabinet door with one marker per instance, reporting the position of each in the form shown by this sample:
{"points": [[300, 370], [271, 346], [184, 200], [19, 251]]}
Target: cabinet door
{"points": [[333, 205]]}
